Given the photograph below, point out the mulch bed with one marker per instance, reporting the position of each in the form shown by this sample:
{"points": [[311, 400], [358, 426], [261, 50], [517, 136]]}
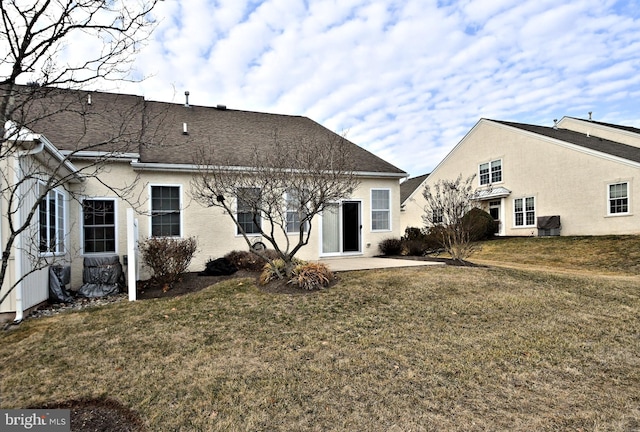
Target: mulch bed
{"points": [[100, 415]]}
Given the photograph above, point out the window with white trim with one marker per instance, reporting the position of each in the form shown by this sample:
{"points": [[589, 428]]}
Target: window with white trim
{"points": [[380, 209], [247, 212], [51, 223], [99, 225], [165, 211], [524, 211], [491, 172], [437, 215], [618, 198], [296, 212]]}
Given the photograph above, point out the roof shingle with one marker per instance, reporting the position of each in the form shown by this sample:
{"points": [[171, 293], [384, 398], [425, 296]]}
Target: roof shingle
{"points": [[612, 148], [155, 130]]}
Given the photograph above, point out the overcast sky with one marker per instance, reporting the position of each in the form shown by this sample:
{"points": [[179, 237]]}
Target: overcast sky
{"points": [[405, 79]]}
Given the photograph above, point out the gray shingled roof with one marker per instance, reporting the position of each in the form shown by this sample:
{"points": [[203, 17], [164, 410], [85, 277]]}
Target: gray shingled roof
{"points": [[408, 186], [233, 135], [593, 143], [127, 123]]}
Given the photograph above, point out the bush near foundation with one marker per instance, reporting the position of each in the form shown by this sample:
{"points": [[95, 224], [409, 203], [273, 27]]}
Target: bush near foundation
{"points": [[247, 260], [391, 246], [167, 258]]}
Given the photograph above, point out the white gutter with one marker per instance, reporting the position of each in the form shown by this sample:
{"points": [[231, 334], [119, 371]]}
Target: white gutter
{"points": [[90, 155], [146, 166]]}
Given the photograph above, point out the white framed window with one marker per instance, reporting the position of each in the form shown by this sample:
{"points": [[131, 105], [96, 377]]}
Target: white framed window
{"points": [[247, 211], [296, 212], [490, 172], [99, 225], [618, 198], [52, 223], [380, 209], [524, 212], [437, 215], [166, 211]]}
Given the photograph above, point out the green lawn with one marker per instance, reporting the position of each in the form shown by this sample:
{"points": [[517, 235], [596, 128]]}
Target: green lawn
{"points": [[435, 348]]}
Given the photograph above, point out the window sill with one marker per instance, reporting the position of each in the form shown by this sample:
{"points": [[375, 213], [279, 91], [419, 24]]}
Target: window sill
{"points": [[617, 215]]}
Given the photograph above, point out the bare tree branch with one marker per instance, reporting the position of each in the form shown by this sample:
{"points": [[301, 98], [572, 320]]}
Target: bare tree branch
{"points": [[447, 203], [37, 59], [283, 188]]}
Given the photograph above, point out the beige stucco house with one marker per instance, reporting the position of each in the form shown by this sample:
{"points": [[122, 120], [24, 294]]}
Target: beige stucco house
{"points": [[584, 171], [118, 142]]}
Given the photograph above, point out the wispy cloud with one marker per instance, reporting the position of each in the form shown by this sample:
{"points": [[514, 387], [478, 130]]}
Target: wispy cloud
{"points": [[406, 78]]}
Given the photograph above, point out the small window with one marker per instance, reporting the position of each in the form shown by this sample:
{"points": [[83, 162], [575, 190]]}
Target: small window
{"points": [[380, 210], [437, 215], [619, 198], [491, 172], [524, 211], [51, 223], [296, 212], [248, 213], [99, 225], [165, 211]]}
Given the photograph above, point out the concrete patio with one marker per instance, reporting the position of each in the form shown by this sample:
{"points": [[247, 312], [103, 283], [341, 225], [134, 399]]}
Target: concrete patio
{"points": [[362, 263]]}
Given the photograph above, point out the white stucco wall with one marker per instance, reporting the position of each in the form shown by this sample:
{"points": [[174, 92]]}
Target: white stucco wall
{"points": [[564, 180], [213, 229]]}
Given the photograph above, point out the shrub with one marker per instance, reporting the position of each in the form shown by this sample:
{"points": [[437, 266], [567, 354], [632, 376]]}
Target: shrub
{"points": [[167, 258], [390, 246], [480, 224], [247, 260], [418, 242], [413, 233], [415, 247], [275, 269], [435, 238], [311, 276]]}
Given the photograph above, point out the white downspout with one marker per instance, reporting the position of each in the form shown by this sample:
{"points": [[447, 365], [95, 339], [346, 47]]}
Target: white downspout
{"points": [[18, 243]]}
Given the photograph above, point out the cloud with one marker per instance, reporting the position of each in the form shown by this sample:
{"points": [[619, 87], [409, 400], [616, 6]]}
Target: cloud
{"points": [[407, 79]]}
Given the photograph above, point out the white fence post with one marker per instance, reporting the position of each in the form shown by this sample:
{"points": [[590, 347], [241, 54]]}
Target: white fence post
{"points": [[132, 259]]}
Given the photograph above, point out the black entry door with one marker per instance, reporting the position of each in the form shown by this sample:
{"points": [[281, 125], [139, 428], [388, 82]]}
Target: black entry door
{"points": [[351, 226]]}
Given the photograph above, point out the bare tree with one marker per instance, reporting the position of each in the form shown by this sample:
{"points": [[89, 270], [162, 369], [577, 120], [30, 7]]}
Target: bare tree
{"points": [[447, 203], [280, 191], [42, 74]]}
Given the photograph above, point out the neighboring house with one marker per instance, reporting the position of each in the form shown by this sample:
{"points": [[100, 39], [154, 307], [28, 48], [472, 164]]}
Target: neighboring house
{"points": [[586, 172], [154, 150]]}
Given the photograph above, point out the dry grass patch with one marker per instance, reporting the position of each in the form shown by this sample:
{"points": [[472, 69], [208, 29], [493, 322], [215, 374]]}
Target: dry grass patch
{"points": [[596, 254], [392, 350]]}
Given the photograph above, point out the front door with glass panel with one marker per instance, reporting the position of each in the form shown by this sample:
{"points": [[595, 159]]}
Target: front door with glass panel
{"points": [[494, 211], [341, 228]]}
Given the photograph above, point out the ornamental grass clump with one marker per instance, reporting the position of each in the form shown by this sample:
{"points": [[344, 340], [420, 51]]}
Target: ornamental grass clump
{"points": [[277, 269], [305, 275], [311, 276]]}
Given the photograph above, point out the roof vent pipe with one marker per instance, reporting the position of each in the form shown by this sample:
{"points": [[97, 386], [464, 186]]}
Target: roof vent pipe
{"points": [[184, 129], [555, 123], [590, 112], [186, 97], [89, 99]]}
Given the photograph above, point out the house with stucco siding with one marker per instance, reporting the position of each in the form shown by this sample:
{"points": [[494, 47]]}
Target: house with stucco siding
{"points": [[582, 173], [152, 150]]}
